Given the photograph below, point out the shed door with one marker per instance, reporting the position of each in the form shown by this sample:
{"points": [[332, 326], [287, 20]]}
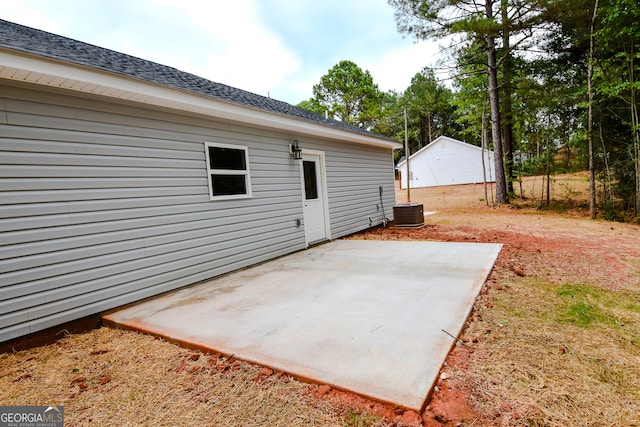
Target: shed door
{"points": [[313, 199]]}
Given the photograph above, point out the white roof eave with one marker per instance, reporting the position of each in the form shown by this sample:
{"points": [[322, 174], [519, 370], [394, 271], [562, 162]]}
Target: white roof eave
{"points": [[17, 66]]}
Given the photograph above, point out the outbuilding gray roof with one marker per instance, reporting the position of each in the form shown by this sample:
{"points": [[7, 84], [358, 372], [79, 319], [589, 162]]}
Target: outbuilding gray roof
{"points": [[30, 40]]}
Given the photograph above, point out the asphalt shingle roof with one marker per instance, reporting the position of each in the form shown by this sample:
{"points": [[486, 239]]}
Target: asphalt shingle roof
{"points": [[30, 40]]}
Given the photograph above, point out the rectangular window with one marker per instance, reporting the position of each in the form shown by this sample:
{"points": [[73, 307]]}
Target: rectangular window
{"points": [[228, 171], [310, 180]]}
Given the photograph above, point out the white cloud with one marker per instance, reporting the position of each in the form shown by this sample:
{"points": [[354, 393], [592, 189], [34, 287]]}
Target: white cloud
{"points": [[395, 69], [234, 47]]}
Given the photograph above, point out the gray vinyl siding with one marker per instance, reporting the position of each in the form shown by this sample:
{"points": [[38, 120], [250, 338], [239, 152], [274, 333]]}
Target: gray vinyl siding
{"points": [[103, 204], [354, 175]]}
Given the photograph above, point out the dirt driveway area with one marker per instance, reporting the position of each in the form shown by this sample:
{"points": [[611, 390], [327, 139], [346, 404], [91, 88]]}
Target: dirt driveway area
{"points": [[553, 340]]}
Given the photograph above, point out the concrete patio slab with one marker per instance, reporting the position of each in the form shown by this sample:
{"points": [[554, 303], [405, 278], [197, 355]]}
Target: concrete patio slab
{"points": [[363, 316]]}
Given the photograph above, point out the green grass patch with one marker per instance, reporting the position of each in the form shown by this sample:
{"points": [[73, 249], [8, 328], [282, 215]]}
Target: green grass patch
{"points": [[578, 291], [583, 305], [583, 314], [587, 306], [361, 420]]}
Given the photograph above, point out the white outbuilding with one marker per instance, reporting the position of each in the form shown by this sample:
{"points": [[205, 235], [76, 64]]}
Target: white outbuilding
{"points": [[447, 161]]}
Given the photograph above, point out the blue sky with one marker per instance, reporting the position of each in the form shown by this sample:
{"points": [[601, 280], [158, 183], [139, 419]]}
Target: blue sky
{"points": [[279, 48]]}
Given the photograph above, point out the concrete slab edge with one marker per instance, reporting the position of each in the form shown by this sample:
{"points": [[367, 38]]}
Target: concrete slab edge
{"points": [[193, 345], [487, 268]]}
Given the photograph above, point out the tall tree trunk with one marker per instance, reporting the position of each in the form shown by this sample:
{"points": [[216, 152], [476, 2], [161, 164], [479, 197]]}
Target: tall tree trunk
{"points": [[592, 166], [483, 139], [565, 140], [635, 123], [549, 157], [507, 114], [494, 100], [608, 185], [407, 153]]}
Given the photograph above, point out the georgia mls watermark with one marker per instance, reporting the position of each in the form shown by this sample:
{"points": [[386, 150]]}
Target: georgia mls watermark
{"points": [[31, 416]]}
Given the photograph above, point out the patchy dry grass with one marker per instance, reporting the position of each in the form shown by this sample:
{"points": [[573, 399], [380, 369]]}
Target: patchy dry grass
{"points": [[565, 355], [112, 377]]}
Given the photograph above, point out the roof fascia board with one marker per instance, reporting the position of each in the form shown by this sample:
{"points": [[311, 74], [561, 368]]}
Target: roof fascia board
{"points": [[128, 88]]}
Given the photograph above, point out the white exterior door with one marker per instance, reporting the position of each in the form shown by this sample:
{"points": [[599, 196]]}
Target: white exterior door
{"points": [[313, 198]]}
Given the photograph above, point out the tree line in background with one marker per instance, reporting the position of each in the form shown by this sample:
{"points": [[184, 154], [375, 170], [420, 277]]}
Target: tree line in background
{"points": [[552, 84]]}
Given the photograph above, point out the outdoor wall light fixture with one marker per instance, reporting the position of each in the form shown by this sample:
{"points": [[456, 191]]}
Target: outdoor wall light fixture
{"points": [[295, 150]]}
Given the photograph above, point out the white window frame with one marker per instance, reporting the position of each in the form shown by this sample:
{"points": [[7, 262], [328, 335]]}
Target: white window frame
{"points": [[246, 172]]}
